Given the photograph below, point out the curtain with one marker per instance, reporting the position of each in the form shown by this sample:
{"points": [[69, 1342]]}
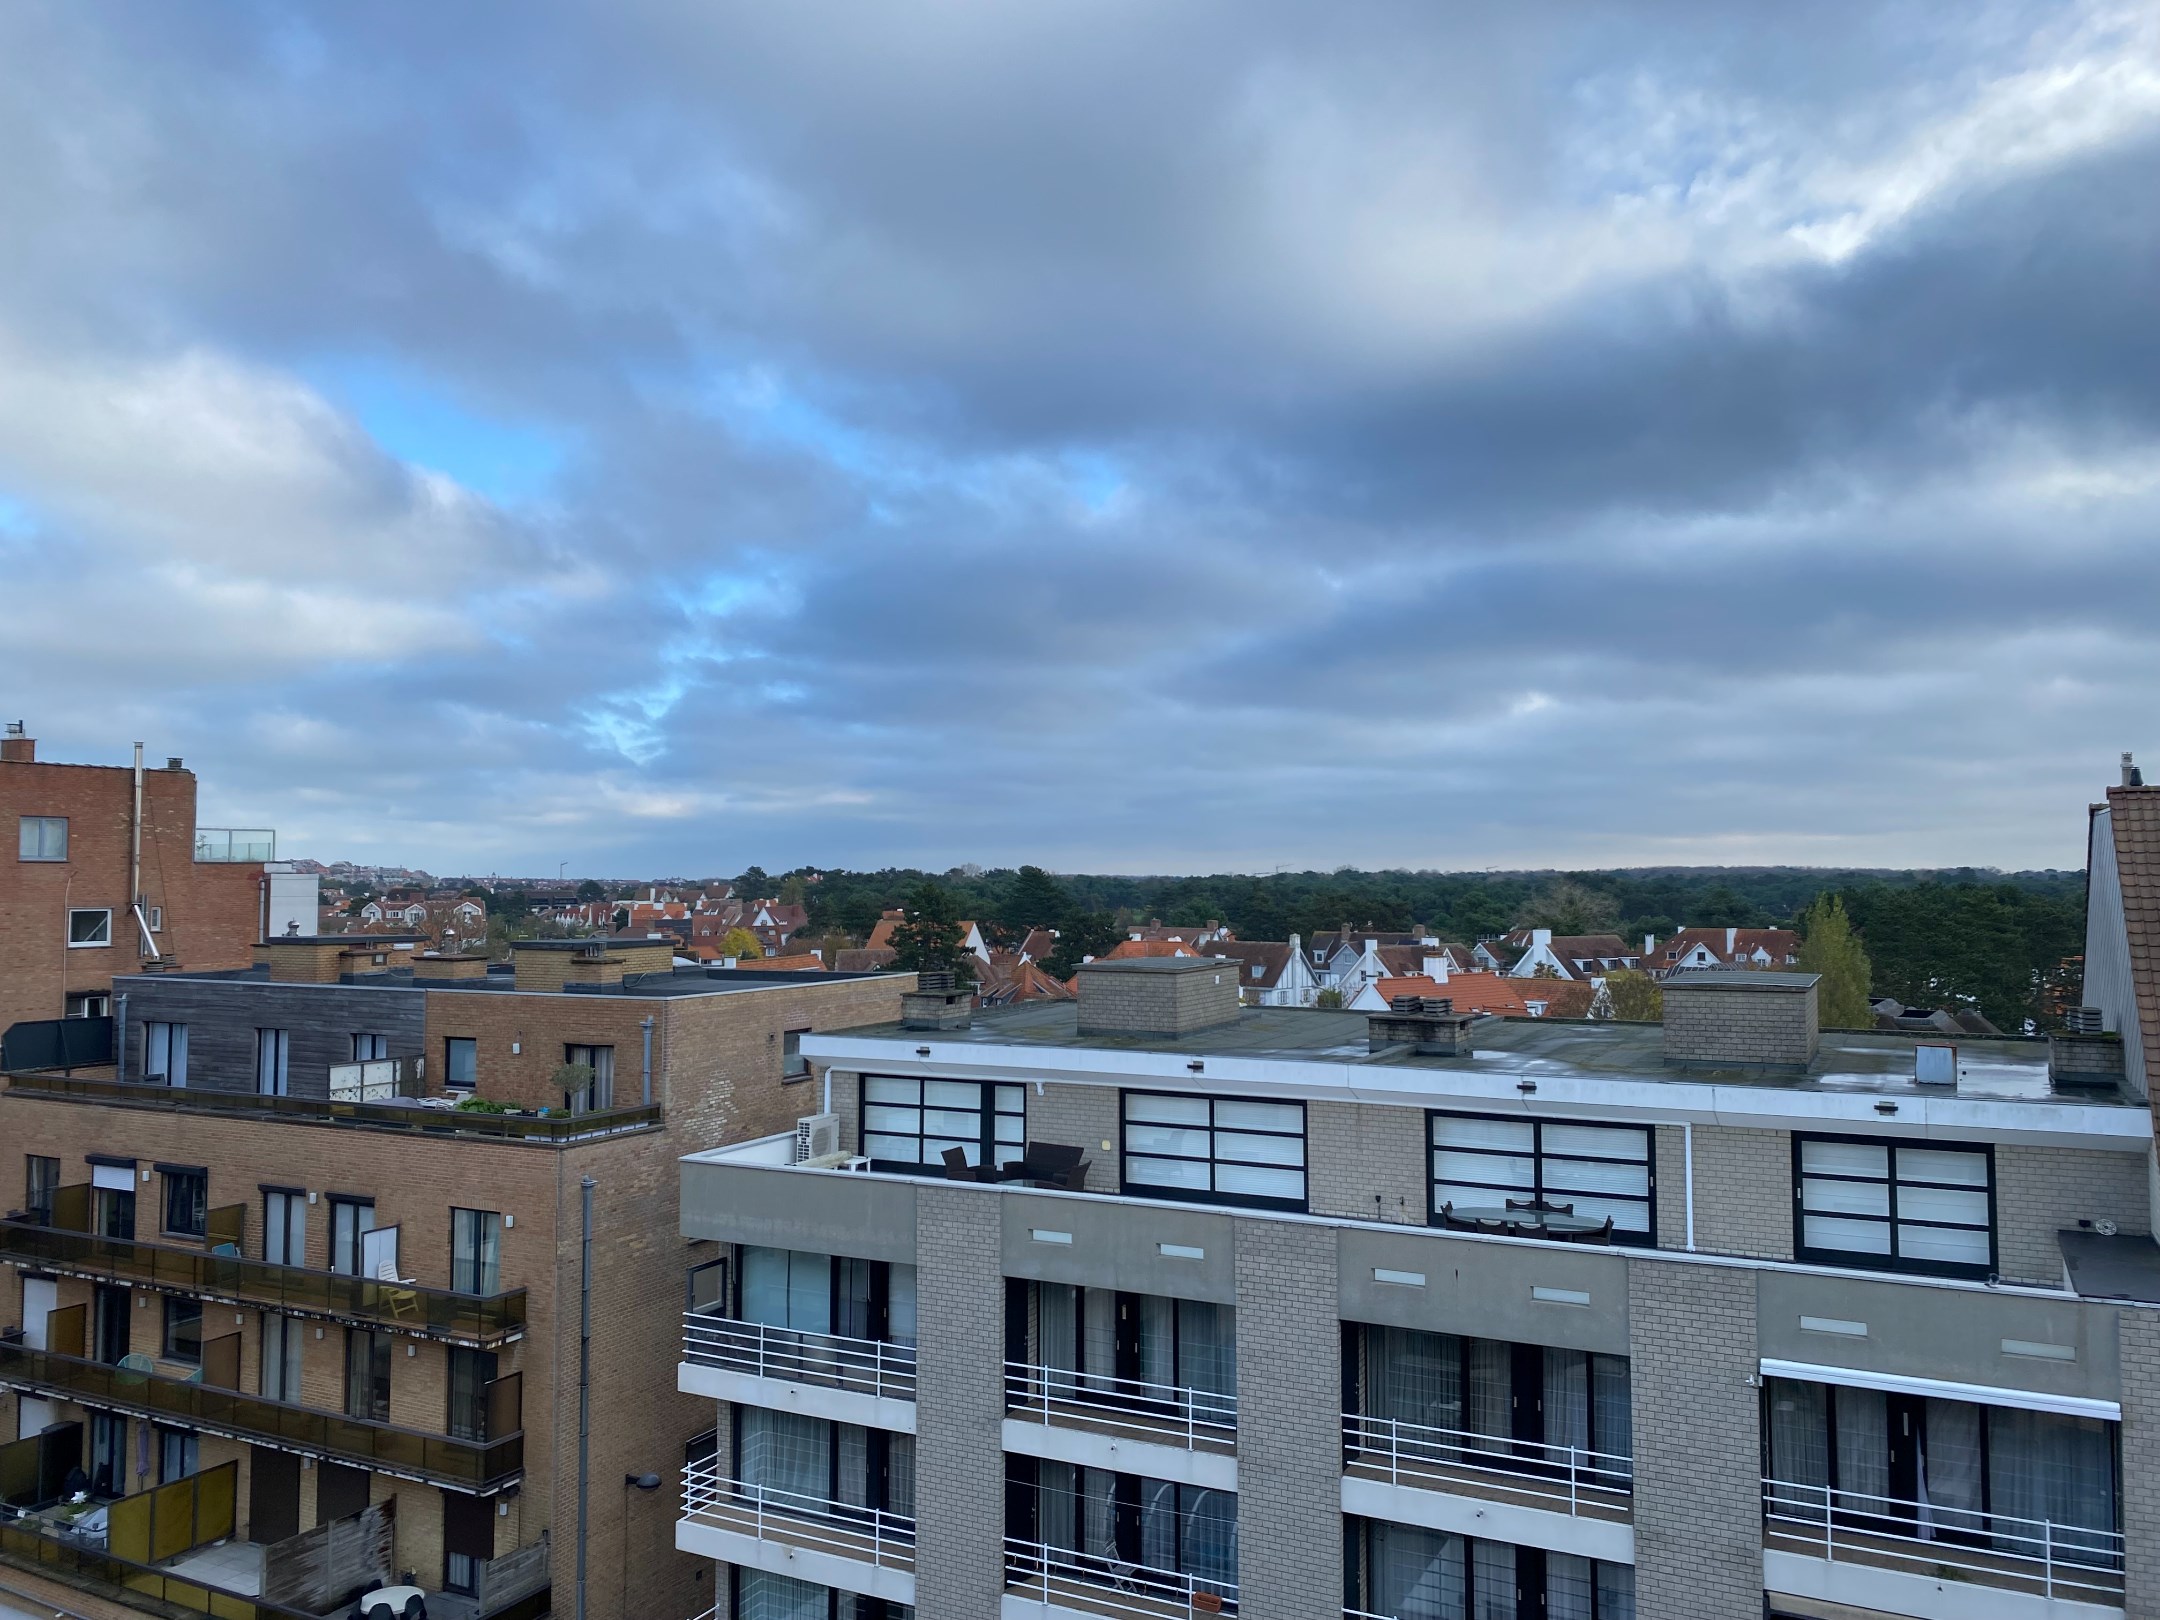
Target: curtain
{"points": [[1799, 1445], [900, 1475], [786, 1288], [1492, 1407], [785, 1452], [1567, 1401], [1616, 1591], [1207, 1353], [1210, 1536], [2042, 1465], [852, 1442], [1612, 1415], [1570, 1592], [1863, 1449], [1414, 1574], [1492, 1583], [1057, 1332], [1057, 1505], [764, 1596], [1158, 1524], [1155, 1320], [1414, 1377], [1098, 1350], [900, 1304], [1951, 1467]]}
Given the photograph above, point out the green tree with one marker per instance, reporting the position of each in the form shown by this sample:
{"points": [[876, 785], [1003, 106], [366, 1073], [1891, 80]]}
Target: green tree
{"points": [[1082, 934], [1568, 907], [1329, 999], [590, 890], [753, 884], [1635, 996], [792, 891], [742, 944], [1831, 948], [1035, 900], [929, 938]]}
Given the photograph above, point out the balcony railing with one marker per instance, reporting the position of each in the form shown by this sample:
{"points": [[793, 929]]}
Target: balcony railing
{"points": [[789, 1518], [862, 1366], [1560, 1479], [2000, 1550], [436, 1459], [437, 1313], [26, 1543], [417, 1118], [244, 844], [1166, 1414], [1110, 1586]]}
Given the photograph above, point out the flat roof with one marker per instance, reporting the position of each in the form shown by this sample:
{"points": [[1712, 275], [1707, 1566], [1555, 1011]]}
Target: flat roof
{"points": [[681, 981], [2003, 1069]]}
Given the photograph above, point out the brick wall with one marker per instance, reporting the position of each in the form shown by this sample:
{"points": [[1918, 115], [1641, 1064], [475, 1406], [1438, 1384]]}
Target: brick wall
{"points": [[1084, 1117], [1739, 1023], [1743, 1194], [1698, 1469], [960, 1405], [1147, 997], [1289, 1423], [1367, 1162], [210, 911], [2041, 1191], [2138, 1347]]}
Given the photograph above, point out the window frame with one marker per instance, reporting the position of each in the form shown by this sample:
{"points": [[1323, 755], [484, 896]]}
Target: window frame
{"points": [[369, 1355], [987, 1113], [485, 1238], [793, 1065], [358, 1235], [294, 1198], [1214, 1195], [1621, 1237], [451, 1080], [104, 943], [175, 1315], [176, 1178], [1893, 1261], [173, 1038], [23, 824], [268, 1040], [41, 1174]]}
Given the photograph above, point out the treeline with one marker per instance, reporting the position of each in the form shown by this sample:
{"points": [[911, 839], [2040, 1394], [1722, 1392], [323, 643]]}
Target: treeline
{"points": [[1989, 940]]}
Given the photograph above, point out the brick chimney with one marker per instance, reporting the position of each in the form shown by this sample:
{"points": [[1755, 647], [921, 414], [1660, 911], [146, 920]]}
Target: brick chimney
{"points": [[1736, 1019], [18, 747], [1428, 1025], [1157, 995], [937, 1002]]}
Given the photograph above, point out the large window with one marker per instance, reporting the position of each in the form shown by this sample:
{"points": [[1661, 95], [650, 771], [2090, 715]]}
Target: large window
{"points": [[112, 1207], [1221, 1150], [165, 1052], [285, 1226], [88, 927], [369, 1048], [187, 1202], [598, 1092], [283, 1342], [802, 1460], [1101, 1520], [1110, 1342], [476, 1251], [909, 1123], [1415, 1574], [42, 838], [471, 1371], [183, 1329], [41, 1184], [367, 1374], [806, 1292], [1894, 1206], [461, 1063], [350, 1220], [1480, 1162], [273, 1062]]}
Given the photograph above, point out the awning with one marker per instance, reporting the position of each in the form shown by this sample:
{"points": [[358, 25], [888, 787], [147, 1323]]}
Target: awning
{"points": [[1943, 1389]]}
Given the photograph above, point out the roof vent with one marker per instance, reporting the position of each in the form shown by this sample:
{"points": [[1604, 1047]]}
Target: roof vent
{"points": [[2085, 1021], [2131, 775], [1428, 1025]]}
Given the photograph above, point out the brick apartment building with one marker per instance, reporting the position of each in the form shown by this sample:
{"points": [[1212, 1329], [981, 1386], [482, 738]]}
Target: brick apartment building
{"points": [[295, 1279], [108, 871], [1149, 1306]]}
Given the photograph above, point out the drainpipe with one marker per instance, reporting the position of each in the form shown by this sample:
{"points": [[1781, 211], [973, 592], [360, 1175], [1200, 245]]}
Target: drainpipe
{"points": [[1687, 1151], [584, 1374], [135, 905], [646, 1026]]}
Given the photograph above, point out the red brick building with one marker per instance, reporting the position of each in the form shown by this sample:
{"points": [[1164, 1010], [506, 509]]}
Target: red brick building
{"points": [[70, 916]]}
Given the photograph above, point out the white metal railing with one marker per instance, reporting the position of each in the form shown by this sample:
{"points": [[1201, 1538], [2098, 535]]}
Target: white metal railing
{"points": [[1159, 1412], [1412, 1453], [1347, 1614], [1110, 1586], [864, 1366], [796, 1520], [1989, 1549]]}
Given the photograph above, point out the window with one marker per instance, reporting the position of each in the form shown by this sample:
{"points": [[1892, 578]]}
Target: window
{"points": [[1396, 1569], [370, 1048], [88, 1004], [471, 1371], [793, 1065], [367, 1375], [1221, 1150], [1480, 1162], [187, 1202], [599, 1092], [114, 1325], [461, 1063], [283, 1339], [822, 1293], [1894, 1206], [476, 1251], [179, 1454], [909, 1123], [349, 1218], [108, 1454], [42, 838], [183, 1329], [1126, 1518], [157, 919], [273, 1058], [112, 1206], [41, 1182], [89, 927], [285, 1228], [165, 1053]]}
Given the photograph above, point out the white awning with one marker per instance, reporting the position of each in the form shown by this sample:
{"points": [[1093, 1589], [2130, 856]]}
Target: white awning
{"points": [[1943, 1389]]}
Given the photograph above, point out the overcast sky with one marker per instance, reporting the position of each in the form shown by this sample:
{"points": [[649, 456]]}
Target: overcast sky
{"points": [[664, 437]]}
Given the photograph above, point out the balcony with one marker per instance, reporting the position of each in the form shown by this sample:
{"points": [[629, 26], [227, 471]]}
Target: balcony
{"points": [[857, 1549], [862, 1374], [1903, 1557], [1064, 1582], [231, 845], [1122, 1408], [419, 1117], [435, 1459], [437, 1313], [1494, 1468]]}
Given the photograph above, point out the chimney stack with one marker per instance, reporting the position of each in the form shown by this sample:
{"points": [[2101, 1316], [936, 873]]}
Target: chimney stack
{"points": [[2131, 775], [1732, 1018], [18, 747], [936, 1002], [1428, 1025]]}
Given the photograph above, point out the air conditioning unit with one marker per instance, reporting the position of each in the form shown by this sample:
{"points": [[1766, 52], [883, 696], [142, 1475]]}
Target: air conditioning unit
{"points": [[817, 1136]]}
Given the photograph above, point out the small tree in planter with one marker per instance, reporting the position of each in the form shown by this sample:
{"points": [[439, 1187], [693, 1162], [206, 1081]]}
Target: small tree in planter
{"points": [[574, 1081]]}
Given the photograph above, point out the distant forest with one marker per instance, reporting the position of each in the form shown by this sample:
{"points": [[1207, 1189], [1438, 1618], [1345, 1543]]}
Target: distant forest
{"points": [[2002, 942]]}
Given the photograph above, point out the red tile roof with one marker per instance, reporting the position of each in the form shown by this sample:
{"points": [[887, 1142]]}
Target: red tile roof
{"points": [[1470, 992]]}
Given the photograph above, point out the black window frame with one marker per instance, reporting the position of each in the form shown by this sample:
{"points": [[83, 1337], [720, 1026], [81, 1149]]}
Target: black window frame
{"points": [[451, 1081], [468, 1271], [367, 1379], [1857, 1260], [986, 1111], [1214, 1195], [41, 1186], [172, 1341], [1539, 1190], [185, 1186], [793, 1065]]}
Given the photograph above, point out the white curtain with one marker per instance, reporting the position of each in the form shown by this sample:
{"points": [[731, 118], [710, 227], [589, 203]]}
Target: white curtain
{"points": [[1567, 1401], [2042, 1465], [1493, 1581], [786, 1452], [1863, 1449], [1951, 1467], [775, 1597], [1414, 1574]]}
